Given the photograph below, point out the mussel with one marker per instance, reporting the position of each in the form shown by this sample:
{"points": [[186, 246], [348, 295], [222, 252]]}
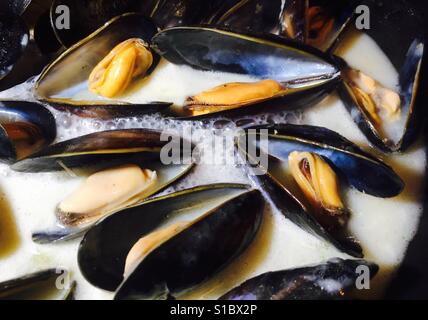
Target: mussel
{"points": [[51, 284], [283, 18], [195, 232], [388, 114], [104, 63], [334, 279], [313, 157], [326, 21], [319, 184], [124, 168], [289, 74], [358, 168], [25, 128]]}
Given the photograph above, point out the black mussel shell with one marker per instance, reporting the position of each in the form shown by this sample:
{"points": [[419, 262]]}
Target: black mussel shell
{"points": [[218, 9], [198, 252], [392, 23], [14, 39], [102, 263], [171, 13], [286, 203], [16, 7], [131, 145], [327, 20], [328, 281], [105, 111], [283, 18], [360, 169], [89, 15], [306, 73], [27, 29], [44, 36], [348, 160], [38, 286], [266, 57], [25, 128]]}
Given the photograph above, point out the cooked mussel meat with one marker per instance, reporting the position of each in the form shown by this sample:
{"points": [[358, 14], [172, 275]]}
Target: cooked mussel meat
{"points": [[387, 112], [124, 168], [113, 74], [25, 128], [145, 245], [335, 279], [358, 168], [100, 67], [231, 96], [104, 192], [319, 183], [317, 160], [171, 227], [289, 74], [380, 104], [52, 284], [212, 240]]}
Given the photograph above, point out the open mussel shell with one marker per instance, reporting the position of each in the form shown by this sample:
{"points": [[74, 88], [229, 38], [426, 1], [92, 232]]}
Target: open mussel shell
{"points": [[25, 128], [103, 150], [166, 175], [332, 280], [392, 23], [207, 246], [294, 210], [102, 261], [359, 169], [326, 21], [283, 18], [68, 75], [306, 74], [49, 284], [110, 147]]}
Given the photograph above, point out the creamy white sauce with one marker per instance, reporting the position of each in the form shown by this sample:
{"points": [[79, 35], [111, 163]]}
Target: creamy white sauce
{"points": [[384, 226]]}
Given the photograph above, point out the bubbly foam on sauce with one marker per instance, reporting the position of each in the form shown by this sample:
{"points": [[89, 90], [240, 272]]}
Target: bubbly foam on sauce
{"points": [[384, 226]]}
